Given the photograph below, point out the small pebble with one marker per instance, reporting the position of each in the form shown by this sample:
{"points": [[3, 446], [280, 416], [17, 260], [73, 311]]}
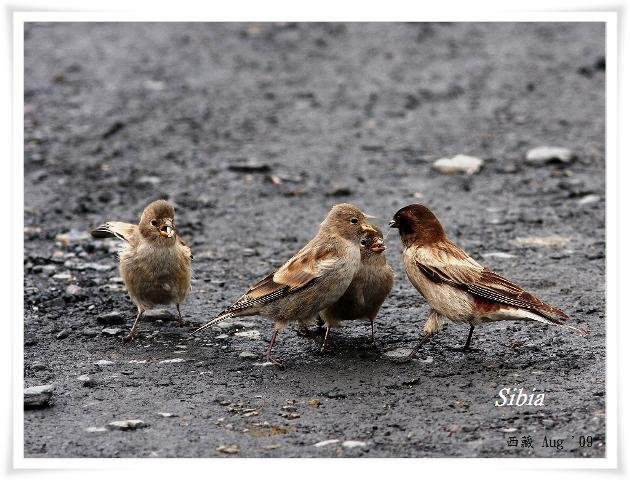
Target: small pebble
{"points": [[95, 429], [63, 334], [353, 444], [458, 164], [541, 155], [248, 355], [103, 363], [249, 334], [167, 414], [172, 360], [230, 449], [588, 199], [111, 331], [86, 380], [126, 424], [501, 255], [325, 443]]}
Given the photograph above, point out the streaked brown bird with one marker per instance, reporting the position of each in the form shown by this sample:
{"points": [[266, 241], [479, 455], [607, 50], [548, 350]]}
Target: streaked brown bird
{"points": [[369, 288], [155, 263], [456, 286], [312, 279]]}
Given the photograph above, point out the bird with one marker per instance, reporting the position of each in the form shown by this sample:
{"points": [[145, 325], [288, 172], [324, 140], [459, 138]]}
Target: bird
{"points": [[310, 281], [155, 263], [369, 288], [456, 286]]}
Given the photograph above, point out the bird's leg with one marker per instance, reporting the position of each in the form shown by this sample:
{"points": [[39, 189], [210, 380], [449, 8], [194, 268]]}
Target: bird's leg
{"points": [[431, 326], [423, 340], [134, 327], [325, 342], [466, 347], [372, 324], [271, 344], [180, 320]]}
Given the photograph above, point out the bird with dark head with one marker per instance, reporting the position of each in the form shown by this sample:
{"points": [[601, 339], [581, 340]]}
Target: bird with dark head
{"points": [[310, 281], [456, 286], [155, 263]]}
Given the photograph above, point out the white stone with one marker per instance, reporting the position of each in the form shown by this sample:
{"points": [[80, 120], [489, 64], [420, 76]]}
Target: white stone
{"points": [[95, 429], [249, 334], [172, 360], [458, 164], [353, 444], [545, 154], [497, 255], [103, 363], [166, 414], [325, 443], [583, 201], [398, 353], [552, 241]]}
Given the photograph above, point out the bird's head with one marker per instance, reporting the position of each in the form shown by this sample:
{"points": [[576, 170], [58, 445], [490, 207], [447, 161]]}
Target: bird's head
{"points": [[348, 221], [157, 222], [372, 244], [418, 225]]}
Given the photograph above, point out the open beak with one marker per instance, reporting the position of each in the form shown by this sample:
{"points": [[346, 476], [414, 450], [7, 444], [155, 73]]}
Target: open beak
{"points": [[366, 227], [393, 224], [378, 246], [167, 229]]}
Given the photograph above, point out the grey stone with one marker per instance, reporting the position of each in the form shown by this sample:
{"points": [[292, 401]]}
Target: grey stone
{"points": [[38, 396], [126, 424]]}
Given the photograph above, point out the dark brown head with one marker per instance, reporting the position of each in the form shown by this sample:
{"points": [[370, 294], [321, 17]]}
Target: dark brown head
{"points": [[157, 222], [347, 221], [417, 225]]}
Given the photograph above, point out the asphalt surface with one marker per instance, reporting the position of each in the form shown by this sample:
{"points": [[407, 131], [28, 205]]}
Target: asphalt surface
{"points": [[254, 131]]}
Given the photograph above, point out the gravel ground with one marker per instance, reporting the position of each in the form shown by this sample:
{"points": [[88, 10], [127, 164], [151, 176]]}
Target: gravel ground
{"points": [[254, 131]]}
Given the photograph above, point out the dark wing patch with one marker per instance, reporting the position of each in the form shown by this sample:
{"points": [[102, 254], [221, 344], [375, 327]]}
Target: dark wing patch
{"points": [[492, 286]]}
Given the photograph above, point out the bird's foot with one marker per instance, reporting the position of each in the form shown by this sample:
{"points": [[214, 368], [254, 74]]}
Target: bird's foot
{"points": [[130, 337], [277, 363]]}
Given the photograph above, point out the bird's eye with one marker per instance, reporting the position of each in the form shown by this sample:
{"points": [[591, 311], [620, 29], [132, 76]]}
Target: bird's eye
{"points": [[354, 220], [363, 242], [154, 223]]}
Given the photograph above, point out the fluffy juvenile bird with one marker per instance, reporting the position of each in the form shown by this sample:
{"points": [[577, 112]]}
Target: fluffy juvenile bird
{"points": [[312, 280], [155, 263], [371, 284], [455, 285]]}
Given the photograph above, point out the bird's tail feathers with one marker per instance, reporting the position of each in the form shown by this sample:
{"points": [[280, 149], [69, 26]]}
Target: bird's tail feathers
{"points": [[214, 321]]}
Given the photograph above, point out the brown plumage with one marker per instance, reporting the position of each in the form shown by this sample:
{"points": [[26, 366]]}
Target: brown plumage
{"points": [[455, 285], [369, 288], [155, 263], [312, 279]]}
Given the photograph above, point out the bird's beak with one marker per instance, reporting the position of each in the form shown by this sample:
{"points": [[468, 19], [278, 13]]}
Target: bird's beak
{"points": [[393, 224], [378, 246], [167, 229], [366, 227], [368, 216]]}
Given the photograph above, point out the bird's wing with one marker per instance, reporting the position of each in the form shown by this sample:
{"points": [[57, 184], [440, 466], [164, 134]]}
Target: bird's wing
{"points": [[300, 271], [447, 263], [185, 247], [123, 231]]}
